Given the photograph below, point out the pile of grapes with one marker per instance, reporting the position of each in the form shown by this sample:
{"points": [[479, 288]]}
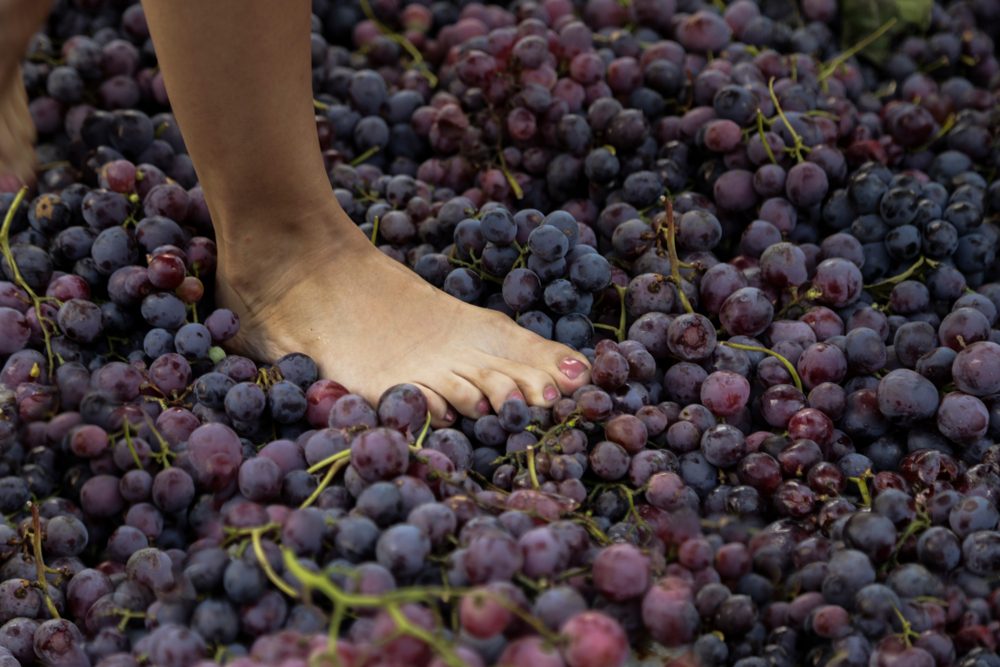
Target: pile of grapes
{"points": [[776, 238]]}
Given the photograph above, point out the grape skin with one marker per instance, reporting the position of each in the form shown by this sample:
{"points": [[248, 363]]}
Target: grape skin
{"points": [[694, 497]]}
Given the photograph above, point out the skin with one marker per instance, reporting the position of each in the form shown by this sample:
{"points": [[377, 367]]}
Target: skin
{"points": [[292, 264]]}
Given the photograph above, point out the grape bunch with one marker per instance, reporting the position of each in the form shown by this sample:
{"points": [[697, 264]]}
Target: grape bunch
{"points": [[773, 230]]}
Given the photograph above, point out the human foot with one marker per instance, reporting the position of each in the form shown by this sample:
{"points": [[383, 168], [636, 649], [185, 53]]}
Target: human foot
{"points": [[371, 323]]}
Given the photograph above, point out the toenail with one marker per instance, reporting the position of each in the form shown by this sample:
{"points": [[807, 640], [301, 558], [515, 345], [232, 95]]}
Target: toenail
{"points": [[515, 396], [449, 416], [483, 407], [550, 393], [572, 368]]}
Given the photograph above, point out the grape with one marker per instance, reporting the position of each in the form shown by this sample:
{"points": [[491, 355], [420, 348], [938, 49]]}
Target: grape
{"points": [[14, 330], [60, 642], [783, 265], [609, 460], [852, 234], [905, 396], [961, 417], [838, 280], [703, 31], [379, 453], [594, 639], [725, 393], [976, 369], [691, 337], [746, 312]]}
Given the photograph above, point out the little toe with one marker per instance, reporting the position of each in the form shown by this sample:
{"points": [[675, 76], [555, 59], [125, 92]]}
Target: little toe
{"points": [[442, 415]]}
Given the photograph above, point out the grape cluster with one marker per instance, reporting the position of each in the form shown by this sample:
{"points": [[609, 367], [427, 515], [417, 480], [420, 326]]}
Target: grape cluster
{"points": [[775, 238]]}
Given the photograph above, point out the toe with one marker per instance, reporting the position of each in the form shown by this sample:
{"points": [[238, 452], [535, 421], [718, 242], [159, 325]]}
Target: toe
{"points": [[536, 386], [9, 183], [495, 384], [568, 368], [442, 415], [463, 396]]}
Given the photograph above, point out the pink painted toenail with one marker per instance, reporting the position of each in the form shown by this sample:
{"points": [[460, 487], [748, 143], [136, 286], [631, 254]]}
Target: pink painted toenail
{"points": [[449, 416], [550, 394], [571, 368], [515, 396], [483, 407]]}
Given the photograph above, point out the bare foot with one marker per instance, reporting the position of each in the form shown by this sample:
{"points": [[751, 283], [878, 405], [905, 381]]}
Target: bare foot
{"points": [[19, 20], [371, 323]]}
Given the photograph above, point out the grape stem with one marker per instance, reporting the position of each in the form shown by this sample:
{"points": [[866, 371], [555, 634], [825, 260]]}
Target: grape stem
{"points": [[798, 146], [327, 478], [19, 280], [829, 68], [127, 436], [675, 262], [908, 634], [127, 615], [862, 483], [423, 432], [916, 526], [784, 361], [762, 133], [391, 601], [413, 51], [163, 456], [949, 123], [619, 330], [265, 564], [905, 275], [532, 472], [364, 156], [36, 544], [511, 181]]}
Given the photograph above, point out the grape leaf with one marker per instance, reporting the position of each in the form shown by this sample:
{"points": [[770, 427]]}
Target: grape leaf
{"points": [[861, 18]]}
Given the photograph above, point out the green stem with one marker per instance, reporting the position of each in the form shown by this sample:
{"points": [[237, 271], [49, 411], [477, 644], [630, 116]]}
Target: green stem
{"points": [[364, 156], [762, 133], [131, 445], [784, 362], [619, 330], [827, 70], [511, 181], [413, 51], [325, 482], [862, 484], [423, 432], [19, 280], [532, 472], [330, 460], [798, 146], [675, 262], [36, 543], [258, 550], [905, 275]]}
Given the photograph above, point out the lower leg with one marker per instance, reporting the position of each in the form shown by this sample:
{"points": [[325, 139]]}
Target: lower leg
{"points": [[291, 263], [19, 20]]}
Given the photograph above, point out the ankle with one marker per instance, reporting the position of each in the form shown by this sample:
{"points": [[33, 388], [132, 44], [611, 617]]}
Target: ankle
{"points": [[262, 246]]}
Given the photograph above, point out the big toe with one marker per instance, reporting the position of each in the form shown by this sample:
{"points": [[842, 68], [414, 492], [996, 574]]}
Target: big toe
{"points": [[568, 368]]}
